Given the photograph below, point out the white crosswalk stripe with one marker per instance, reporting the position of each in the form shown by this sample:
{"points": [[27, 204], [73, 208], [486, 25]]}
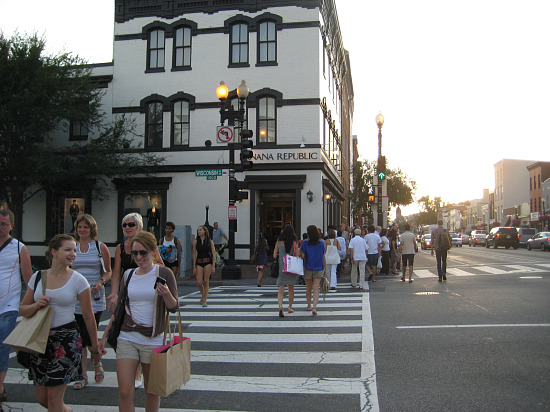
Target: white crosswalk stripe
{"points": [[240, 346], [483, 270]]}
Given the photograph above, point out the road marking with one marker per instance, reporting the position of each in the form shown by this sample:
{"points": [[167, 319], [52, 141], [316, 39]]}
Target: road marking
{"points": [[297, 299], [33, 407], [422, 273], [274, 338], [521, 268], [275, 324], [200, 312], [369, 389], [504, 325], [491, 270], [459, 272]]}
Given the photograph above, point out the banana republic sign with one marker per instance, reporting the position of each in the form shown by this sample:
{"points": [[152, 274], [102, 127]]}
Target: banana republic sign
{"points": [[278, 156]]}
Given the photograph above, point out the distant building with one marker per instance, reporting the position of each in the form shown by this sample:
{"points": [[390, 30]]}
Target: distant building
{"points": [[538, 173], [511, 188]]}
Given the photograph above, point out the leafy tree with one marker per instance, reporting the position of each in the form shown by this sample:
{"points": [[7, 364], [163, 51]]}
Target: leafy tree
{"points": [[39, 94], [400, 188]]}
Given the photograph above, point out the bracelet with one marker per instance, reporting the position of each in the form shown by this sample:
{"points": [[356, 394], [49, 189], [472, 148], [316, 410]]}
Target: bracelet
{"points": [[102, 281]]}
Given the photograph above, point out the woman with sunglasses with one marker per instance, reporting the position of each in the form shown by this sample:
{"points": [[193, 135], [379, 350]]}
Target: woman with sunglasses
{"points": [[93, 261], [143, 326], [203, 261], [132, 224]]}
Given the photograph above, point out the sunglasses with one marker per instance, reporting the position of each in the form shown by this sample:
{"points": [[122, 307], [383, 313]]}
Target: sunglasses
{"points": [[129, 224], [140, 252]]}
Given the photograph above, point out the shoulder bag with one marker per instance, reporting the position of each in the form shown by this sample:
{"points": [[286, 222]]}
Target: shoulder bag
{"points": [[332, 257], [31, 334], [170, 363], [120, 312]]}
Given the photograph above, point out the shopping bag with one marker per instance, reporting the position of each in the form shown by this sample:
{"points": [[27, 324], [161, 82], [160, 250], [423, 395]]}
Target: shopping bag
{"points": [[31, 334], [293, 265], [379, 264], [170, 363]]}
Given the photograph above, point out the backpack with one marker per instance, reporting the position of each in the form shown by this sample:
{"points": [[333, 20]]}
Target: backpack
{"points": [[444, 241]]}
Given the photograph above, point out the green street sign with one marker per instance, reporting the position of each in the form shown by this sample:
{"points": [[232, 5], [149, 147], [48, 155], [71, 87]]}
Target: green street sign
{"points": [[210, 174]]}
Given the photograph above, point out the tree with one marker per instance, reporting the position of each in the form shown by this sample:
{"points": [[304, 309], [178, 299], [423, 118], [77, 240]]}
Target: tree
{"points": [[39, 94], [400, 188]]}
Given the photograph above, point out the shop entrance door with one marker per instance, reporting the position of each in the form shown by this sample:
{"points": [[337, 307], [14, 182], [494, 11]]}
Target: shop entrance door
{"points": [[274, 216]]}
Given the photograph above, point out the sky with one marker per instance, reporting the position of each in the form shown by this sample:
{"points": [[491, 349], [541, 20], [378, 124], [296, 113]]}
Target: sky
{"points": [[461, 84]]}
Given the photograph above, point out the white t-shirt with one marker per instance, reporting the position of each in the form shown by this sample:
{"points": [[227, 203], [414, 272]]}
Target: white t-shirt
{"points": [[10, 279], [408, 240], [373, 240], [63, 299], [141, 294], [359, 247], [386, 247]]}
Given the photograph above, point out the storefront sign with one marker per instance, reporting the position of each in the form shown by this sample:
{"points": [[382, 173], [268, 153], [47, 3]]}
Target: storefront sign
{"points": [[276, 156]]}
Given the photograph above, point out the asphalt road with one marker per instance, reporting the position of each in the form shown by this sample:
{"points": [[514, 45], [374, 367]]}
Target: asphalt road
{"points": [[473, 343]]}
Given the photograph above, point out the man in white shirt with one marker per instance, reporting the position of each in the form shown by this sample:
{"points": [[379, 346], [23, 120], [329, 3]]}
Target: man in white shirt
{"points": [[15, 262], [358, 252], [373, 243], [407, 248]]}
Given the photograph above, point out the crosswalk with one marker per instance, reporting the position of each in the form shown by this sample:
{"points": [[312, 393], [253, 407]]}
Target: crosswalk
{"points": [[482, 270], [244, 357]]}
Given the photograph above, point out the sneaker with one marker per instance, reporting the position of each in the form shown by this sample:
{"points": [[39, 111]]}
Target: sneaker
{"points": [[138, 384]]}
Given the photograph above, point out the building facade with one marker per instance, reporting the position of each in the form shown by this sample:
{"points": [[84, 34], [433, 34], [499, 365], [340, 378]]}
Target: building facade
{"points": [[169, 57], [511, 187]]}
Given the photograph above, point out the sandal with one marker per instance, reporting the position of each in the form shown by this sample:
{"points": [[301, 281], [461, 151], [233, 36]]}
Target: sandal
{"points": [[281, 313], [99, 376], [80, 384], [290, 310], [314, 312], [308, 308]]}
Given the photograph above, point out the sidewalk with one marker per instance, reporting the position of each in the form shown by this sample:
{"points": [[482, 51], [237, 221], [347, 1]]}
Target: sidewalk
{"points": [[249, 276]]}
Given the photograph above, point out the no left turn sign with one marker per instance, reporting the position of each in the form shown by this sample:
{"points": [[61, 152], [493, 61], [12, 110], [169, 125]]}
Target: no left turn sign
{"points": [[225, 134]]}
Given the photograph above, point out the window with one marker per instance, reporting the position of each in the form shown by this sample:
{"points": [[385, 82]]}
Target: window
{"points": [[267, 120], [182, 47], [153, 125], [267, 42], [79, 130], [180, 123], [239, 44], [155, 49]]}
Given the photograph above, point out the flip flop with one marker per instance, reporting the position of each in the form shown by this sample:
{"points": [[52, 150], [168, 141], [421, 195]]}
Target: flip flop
{"points": [[99, 376], [290, 310], [80, 384]]}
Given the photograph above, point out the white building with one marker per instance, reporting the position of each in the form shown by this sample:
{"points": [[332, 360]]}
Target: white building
{"points": [[169, 57]]}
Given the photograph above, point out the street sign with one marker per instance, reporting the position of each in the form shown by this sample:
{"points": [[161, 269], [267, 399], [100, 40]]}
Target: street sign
{"points": [[232, 212], [210, 174], [224, 134]]}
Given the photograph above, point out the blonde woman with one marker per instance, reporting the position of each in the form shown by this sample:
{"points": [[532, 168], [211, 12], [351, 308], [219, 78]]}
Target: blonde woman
{"points": [[203, 261], [93, 261], [132, 224], [60, 364], [143, 326]]}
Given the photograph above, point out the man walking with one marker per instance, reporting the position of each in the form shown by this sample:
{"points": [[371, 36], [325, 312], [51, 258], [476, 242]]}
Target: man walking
{"points": [[441, 242], [358, 253], [373, 244], [217, 234], [14, 262], [407, 248]]}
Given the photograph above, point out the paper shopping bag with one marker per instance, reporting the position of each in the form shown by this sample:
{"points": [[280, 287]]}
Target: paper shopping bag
{"points": [[293, 265], [31, 334], [170, 365]]}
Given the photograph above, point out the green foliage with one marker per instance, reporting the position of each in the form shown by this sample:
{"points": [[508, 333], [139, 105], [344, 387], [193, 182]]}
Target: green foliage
{"points": [[38, 95]]}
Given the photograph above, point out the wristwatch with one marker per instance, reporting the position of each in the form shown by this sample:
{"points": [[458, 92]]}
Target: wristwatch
{"points": [[102, 281]]}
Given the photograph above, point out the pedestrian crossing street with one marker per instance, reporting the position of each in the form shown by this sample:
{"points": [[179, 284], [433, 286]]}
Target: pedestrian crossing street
{"points": [[482, 270], [244, 357]]}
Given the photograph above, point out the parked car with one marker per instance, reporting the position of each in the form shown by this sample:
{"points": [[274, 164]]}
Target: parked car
{"points": [[426, 242], [503, 236], [525, 233], [479, 232], [477, 240], [540, 241], [456, 239], [465, 238]]}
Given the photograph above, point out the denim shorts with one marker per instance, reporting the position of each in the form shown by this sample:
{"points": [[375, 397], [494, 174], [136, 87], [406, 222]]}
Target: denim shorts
{"points": [[7, 324]]}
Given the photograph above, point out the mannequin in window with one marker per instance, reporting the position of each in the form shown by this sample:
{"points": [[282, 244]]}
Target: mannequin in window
{"points": [[153, 218]]}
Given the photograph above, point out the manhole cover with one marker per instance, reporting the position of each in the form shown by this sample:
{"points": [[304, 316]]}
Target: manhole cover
{"points": [[427, 293]]}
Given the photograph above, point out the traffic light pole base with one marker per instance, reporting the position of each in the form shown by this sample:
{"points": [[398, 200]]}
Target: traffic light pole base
{"points": [[231, 271]]}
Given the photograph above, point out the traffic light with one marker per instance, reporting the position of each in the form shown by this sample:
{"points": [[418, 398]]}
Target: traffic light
{"points": [[382, 167], [371, 197], [235, 190], [246, 149]]}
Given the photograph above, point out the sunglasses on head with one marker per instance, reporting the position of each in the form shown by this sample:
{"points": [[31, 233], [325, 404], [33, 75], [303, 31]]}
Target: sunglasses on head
{"points": [[129, 224], [139, 252]]}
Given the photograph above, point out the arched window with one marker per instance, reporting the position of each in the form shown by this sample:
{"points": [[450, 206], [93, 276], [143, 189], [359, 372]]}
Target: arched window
{"points": [[267, 119], [180, 123], [155, 49], [182, 47], [153, 125]]}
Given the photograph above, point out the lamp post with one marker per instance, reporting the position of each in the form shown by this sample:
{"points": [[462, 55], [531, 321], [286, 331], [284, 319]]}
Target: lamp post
{"points": [[231, 270], [379, 123]]}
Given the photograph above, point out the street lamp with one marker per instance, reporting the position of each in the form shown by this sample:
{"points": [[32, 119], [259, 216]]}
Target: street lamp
{"points": [[231, 270], [379, 123]]}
